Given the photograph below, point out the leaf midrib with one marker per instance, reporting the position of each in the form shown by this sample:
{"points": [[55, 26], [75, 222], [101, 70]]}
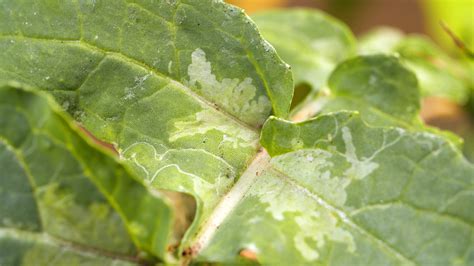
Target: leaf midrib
{"points": [[229, 201], [247, 180]]}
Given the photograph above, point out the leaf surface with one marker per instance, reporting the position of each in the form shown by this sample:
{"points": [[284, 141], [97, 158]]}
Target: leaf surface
{"points": [[377, 86], [174, 85], [182, 88], [64, 200], [380, 88], [338, 192], [309, 40]]}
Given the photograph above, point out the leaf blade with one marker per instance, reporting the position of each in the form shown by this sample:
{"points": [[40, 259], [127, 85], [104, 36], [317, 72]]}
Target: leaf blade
{"points": [[343, 193], [84, 197], [159, 80]]}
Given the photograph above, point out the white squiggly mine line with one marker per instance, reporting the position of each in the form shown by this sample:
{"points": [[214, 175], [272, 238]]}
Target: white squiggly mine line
{"points": [[359, 169]]}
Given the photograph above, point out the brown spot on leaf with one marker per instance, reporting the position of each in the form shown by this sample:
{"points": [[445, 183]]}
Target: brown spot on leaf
{"points": [[248, 254], [108, 146], [190, 251]]}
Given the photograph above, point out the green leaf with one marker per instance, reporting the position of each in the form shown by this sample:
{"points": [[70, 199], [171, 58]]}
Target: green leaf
{"points": [[380, 88], [64, 200], [174, 85], [438, 74], [182, 88], [338, 192], [311, 41], [377, 86]]}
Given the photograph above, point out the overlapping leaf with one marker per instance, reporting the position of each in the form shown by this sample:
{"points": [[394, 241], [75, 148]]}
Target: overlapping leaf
{"points": [[64, 201], [379, 87]]}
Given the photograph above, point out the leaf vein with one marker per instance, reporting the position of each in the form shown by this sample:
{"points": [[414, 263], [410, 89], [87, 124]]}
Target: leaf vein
{"points": [[143, 65]]}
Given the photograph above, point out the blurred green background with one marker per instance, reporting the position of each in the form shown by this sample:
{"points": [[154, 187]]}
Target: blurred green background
{"points": [[410, 16]]}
